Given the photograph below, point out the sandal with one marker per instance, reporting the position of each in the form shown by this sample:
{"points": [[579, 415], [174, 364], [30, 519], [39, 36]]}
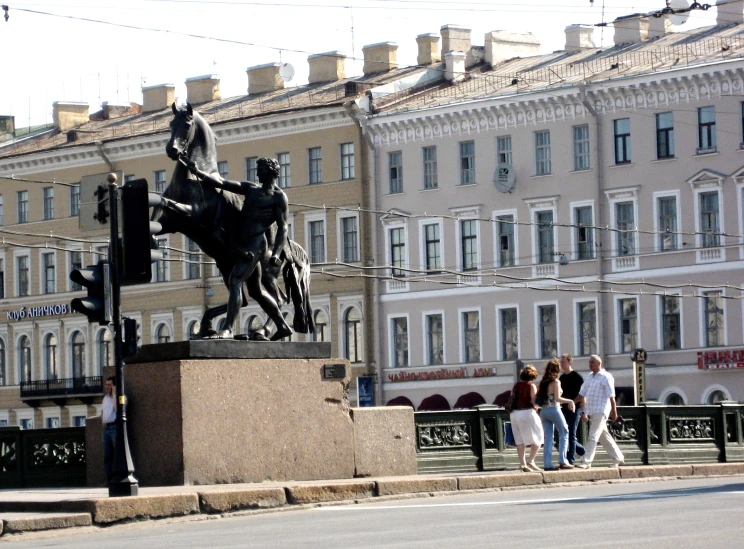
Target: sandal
{"points": [[525, 469], [534, 467], [565, 466]]}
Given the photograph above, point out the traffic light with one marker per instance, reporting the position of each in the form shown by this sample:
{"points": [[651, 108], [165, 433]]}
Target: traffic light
{"points": [[97, 306], [129, 347], [139, 248]]}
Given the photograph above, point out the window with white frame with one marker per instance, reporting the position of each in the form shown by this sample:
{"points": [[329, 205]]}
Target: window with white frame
{"points": [[584, 221], [101, 253], [545, 236], [713, 318], [251, 168], [193, 258], [161, 265], [48, 199], [505, 237], [628, 323], [581, 147], [434, 339], [50, 357], [432, 247], [163, 334], [399, 328], [321, 326], [129, 177], [509, 328], [625, 225], [103, 350], [706, 129], [3, 369], [665, 135], [22, 276], [48, 273], [395, 172], [504, 149], [314, 165], [471, 336], [2, 211], [22, 197], [353, 335], [193, 329], [348, 170], [285, 170], [670, 323], [159, 181], [709, 219], [253, 324], [666, 207], [24, 358], [75, 200], [587, 327], [542, 153], [430, 167], [350, 239], [548, 331], [77, 346], [467, 162], [621, 128], [398, 251], [223, 169], [76, 262], [317, 241], [469, 244]]}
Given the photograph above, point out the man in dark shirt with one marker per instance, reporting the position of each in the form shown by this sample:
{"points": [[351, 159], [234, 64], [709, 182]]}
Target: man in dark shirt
{"points": [[571, 382]]}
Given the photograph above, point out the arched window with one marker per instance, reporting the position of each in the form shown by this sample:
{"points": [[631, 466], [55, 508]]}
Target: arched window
{"points": [[193, 329], [3, 376], [674, 399], [50, 356], [163, 334], [103, 350], [78, 354], [24, 358], [321, 326], [717, 396], [253, 323], [353, 332]]}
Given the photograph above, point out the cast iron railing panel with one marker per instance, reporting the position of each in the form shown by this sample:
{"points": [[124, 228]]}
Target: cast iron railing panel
{"points": [[62, 387]]}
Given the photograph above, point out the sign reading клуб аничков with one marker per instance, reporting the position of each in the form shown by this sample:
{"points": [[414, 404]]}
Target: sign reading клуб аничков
{"points": [[41, 310]]}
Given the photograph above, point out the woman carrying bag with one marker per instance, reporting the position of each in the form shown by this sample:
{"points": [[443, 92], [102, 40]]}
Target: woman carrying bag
{"points": [[525, 422]]}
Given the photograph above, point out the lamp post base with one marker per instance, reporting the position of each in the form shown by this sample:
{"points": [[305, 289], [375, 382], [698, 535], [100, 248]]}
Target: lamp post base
{"points": [[127, 487]]}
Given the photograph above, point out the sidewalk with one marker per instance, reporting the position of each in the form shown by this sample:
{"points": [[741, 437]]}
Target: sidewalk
{"points": [[29, 510]]}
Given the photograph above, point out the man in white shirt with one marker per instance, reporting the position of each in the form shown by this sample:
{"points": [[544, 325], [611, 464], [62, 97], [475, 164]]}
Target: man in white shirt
{"points": [[108, 419], [598, 403]]}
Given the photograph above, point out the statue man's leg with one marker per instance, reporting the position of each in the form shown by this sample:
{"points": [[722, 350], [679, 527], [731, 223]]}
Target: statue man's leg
{"points": [[269, 305], [242, 270]]}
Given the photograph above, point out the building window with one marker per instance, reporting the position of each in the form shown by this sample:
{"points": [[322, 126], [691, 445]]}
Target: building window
{"points": [[48, 198], [101, 253], [78, 354], [625, 221], [2, 279], [23, 287], [670, 320], [159, 177], [103, 344], [400, 342], [50, 357], [193, 268], [581, 147], [542, 153], [76, 262], [48, 273], [78, 421], [469, 244], [545, 241], [22, 206], [350, 239], [3, 373], [467, 162], [587, 328], [548, 330], [471, 336], [665, 135], [509, 334], [398, 251], [628, 324], [163, 334], [129, 177], [253, 324], [505, 230], [504, 149], [315, 165], [24, 358], [584, 233], [75, 200], [674, 399], [223, 169], [713, 318], [667, 207], [2, 211], [161, 265], [395, 172], [430, 167], [251, 169], [192, 330], [432, 247], [622, 140], [348, 170], [285, 170], [709, 220], [706, 129], [717, 396], [26, 423], [317, 241], [353, 330], [321, 327], [434, 340]]}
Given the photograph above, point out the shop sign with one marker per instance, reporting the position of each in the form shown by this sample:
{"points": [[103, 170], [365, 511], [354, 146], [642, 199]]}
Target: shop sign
{"points": [[35, 312], [720, 360]]}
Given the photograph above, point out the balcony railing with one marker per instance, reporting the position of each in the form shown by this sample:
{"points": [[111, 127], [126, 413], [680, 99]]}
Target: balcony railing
{"points": [[72, 386]]}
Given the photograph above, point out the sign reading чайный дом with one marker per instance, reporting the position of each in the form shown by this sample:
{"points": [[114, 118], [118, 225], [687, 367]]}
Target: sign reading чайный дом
{"points": [[720, 360], [35, 312]]}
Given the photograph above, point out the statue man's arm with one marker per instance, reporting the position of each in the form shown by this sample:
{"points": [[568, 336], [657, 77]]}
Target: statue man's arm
{"points": [[226, 184], [281, 225]]}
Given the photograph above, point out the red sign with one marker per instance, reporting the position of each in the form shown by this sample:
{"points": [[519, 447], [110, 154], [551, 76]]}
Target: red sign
{"points": [[720, 360]]}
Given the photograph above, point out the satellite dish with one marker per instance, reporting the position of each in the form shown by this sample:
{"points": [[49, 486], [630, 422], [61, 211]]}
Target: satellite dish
{"points": [[286, 71], [678, 18], [504, 177]]}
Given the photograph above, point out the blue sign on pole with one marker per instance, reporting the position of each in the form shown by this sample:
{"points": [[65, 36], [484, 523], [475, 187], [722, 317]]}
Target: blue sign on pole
{"points": [[366, 391]]}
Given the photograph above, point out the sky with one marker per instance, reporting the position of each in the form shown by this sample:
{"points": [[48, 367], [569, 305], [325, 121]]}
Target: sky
{"points": [[105, 50]]}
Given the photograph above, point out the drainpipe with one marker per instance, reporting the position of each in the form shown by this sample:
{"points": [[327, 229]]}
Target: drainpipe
{"points": [[99, 146]]}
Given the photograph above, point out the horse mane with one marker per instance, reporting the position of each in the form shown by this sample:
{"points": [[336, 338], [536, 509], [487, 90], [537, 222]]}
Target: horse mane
{"points": [[208, 147]]}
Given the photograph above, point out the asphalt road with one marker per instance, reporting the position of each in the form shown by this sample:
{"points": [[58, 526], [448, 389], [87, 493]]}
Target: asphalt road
{"points": [[681, 514]]}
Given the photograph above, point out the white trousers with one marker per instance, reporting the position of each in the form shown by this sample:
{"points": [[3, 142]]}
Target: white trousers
{"points": [[598, 433]]}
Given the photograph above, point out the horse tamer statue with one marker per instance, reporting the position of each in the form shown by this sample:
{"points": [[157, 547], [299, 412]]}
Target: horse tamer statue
{"points": [[241, 225]]}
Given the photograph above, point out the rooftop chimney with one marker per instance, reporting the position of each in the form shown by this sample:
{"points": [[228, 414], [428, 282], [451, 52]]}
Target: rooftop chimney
{"points": [[454, 66], [203, 89], [455, 38], [327, 67], [503, 45], [380, 57], [729, 13], [631, 29], [115, 110], [657, 27], [264, 78], [428, 49], [68, 115], [579, 38], [159, 97]]}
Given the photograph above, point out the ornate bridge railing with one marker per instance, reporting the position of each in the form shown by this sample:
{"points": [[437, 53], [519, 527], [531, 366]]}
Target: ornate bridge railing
{"points": [[42, 457], [62, 387], [473, 440]]}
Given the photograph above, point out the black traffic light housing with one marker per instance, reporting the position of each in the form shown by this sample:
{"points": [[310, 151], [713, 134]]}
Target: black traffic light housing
{"points": [[96, 279], [139, 248]]}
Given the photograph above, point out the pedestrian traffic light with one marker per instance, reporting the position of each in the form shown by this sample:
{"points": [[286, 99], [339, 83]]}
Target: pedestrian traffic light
{"points": [[139, 248], [97, 306], [131, 337]]}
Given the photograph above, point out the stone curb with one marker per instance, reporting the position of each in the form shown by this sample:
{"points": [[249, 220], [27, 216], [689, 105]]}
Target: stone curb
{"points": [[484, 482], [573, 475], [414, 486], [330, 492], [109, 510], [707, 469], [49, 522], [648, 471], [228, 501]]}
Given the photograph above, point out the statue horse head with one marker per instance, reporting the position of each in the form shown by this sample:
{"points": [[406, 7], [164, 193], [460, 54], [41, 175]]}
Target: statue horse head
{"points": [[192, 138]]}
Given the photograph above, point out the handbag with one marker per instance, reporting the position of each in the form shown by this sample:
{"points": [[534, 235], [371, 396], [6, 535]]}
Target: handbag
{"points": [[511, 402]]}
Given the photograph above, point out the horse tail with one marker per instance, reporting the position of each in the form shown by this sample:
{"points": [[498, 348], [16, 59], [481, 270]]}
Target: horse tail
{"points": [[296, 274]]}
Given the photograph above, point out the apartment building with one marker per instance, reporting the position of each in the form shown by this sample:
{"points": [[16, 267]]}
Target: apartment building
{"points": [[585, 201]]}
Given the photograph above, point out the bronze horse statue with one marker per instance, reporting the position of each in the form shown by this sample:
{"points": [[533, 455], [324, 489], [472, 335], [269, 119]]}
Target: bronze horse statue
{"points": [[209, 217]]}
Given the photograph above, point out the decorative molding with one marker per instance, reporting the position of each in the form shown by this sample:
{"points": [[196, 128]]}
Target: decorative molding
{"points": [[542, 203], [706, 179], [623, 193]]}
